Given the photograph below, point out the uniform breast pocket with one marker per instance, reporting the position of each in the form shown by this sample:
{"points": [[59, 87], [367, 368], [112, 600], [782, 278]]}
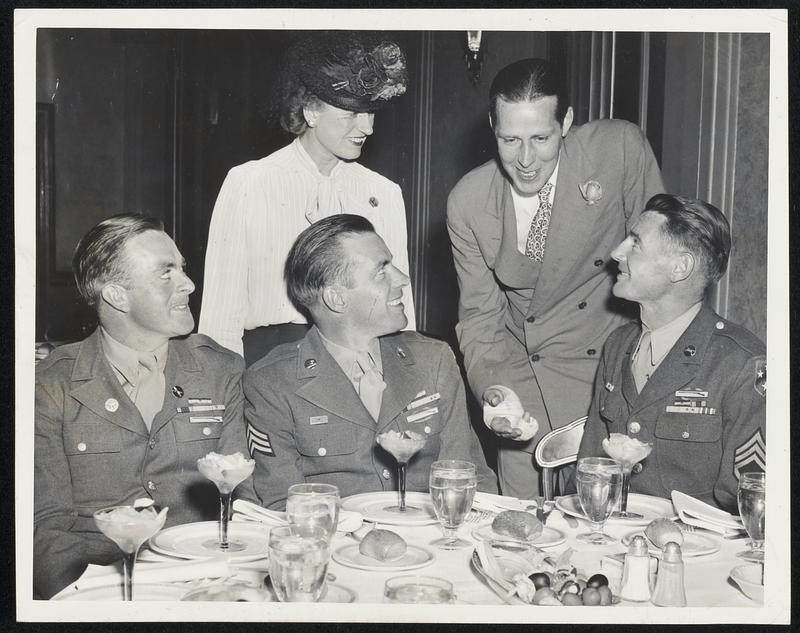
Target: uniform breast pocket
{"points": [[194, 440], [327, 448], [93, 450], [688, 451]]}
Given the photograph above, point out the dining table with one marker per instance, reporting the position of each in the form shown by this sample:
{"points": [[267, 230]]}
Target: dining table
{"points": [[706, 569]]}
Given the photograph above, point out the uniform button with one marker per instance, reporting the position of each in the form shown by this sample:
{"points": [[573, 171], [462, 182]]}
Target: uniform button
{"points": [[152, 443], [634, 427], [322, 451], [591, 351], [386, 474], [531, 319], [719, 325], [206, 430], [427, 429], [638, 468], [598, 262], [685, 435], [535, 357], [581, 305], [151, 485], [81, 447]]}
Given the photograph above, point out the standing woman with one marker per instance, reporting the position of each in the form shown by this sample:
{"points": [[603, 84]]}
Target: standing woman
{"points": [[331, 86]]}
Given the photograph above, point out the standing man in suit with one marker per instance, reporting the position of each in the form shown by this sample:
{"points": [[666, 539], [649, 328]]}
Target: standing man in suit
{"points": [[126, 413], [682, 378], [530, 233], [315, 408]]}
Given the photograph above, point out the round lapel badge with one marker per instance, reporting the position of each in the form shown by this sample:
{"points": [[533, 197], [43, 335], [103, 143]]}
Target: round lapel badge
{"points": [[112, 405], [689, 351], [177, 391]]}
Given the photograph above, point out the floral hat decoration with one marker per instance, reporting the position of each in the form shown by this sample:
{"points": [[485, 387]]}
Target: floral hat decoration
{"points": [[355, 71]]}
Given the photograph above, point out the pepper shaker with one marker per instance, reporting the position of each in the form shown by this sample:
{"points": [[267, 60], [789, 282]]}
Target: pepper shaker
{"points": [[636, 572], [670, 591]]}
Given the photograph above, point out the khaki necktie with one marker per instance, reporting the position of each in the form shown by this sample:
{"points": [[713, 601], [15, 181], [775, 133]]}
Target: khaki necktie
{"points": [[537, 235], [370, 383], [642, 363], [150, 388]]}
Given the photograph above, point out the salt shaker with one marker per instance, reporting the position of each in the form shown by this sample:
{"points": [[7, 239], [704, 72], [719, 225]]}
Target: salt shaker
{"points": [[669, 591], [636, 572]]}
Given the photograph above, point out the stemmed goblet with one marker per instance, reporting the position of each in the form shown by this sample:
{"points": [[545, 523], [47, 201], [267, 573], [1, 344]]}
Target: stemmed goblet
{"points": [[628, 451], [227, 472], [599, 482], [402, 446], [752, 488], [129, 527], [452, 485]]}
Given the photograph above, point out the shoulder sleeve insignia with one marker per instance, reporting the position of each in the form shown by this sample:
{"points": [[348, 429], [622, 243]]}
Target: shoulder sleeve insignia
{"points": [[751, 455], [258, 442], [760, 377]]}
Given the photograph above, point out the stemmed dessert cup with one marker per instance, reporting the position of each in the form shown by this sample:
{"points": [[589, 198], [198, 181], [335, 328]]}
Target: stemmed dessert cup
{"points": [[628, 451], [129, 527], [750, 497], [227, 472], [452, 486], [402, 446], [599, 482]]}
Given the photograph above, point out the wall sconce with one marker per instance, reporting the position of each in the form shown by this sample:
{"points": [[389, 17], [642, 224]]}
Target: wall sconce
{"points": [[474, 55]]}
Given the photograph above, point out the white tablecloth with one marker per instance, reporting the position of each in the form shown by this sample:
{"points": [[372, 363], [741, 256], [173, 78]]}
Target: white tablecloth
{"points": [[706, 577]]}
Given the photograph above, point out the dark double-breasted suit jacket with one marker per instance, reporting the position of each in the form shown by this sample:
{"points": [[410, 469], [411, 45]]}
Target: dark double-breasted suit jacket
{"points": [[306, 423]]}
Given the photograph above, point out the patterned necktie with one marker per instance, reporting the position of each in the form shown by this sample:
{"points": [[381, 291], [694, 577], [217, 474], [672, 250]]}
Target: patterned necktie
{"points": [[370, 383], [537, 235], [150, 388], [642, 363]]}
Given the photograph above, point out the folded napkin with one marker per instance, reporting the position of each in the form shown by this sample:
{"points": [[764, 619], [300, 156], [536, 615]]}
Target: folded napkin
{"points": [[498, 503], [700, 514], [152, 573], [510, 408], [247, 511]]}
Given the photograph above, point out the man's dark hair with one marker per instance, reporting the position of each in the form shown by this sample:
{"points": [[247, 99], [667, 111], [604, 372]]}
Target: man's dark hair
{"points": [[317, 260], [98, 258], [698, 227], [528, 80]]}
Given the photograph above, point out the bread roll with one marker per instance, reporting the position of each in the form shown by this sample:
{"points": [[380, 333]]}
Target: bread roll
{"points": [[383, 545], [517, 524], [662, 531]]}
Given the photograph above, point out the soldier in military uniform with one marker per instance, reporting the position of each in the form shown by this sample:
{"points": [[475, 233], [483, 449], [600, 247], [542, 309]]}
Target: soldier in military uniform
{"points": [[314, 408], [682, 379], [126, 413]]}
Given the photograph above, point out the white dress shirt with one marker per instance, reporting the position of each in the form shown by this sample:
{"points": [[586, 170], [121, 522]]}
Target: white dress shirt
{"points": [[262, 207], [526, 208]]}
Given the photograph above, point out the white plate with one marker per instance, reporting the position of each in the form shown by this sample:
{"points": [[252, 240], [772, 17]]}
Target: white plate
{"points": [[113, 592], [186, 541], [693, 544], [550, 537], [414, 558], [648, 506], [371, 506]]}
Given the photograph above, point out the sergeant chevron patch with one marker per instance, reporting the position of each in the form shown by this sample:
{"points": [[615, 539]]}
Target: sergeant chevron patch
{"points": [[258, 442], [750, 455]]}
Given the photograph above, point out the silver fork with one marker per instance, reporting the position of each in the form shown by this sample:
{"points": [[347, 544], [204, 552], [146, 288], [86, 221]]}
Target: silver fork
{"points": [[476, 516]]}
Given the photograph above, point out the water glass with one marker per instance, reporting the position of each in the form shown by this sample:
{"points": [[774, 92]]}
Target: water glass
{"points": [[599, 485], [752, 487], [313, 508], [298, 564], [418, 590], [452, 487]]}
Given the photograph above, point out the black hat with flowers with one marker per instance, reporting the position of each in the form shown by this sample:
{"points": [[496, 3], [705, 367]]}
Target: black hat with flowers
{"points": [[355, 71]]}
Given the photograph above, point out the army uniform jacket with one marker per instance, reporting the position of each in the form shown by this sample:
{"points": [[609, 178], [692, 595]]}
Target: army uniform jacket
{"points": [[538, 328], [703, 409], [93, 450], [306, 423]]}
